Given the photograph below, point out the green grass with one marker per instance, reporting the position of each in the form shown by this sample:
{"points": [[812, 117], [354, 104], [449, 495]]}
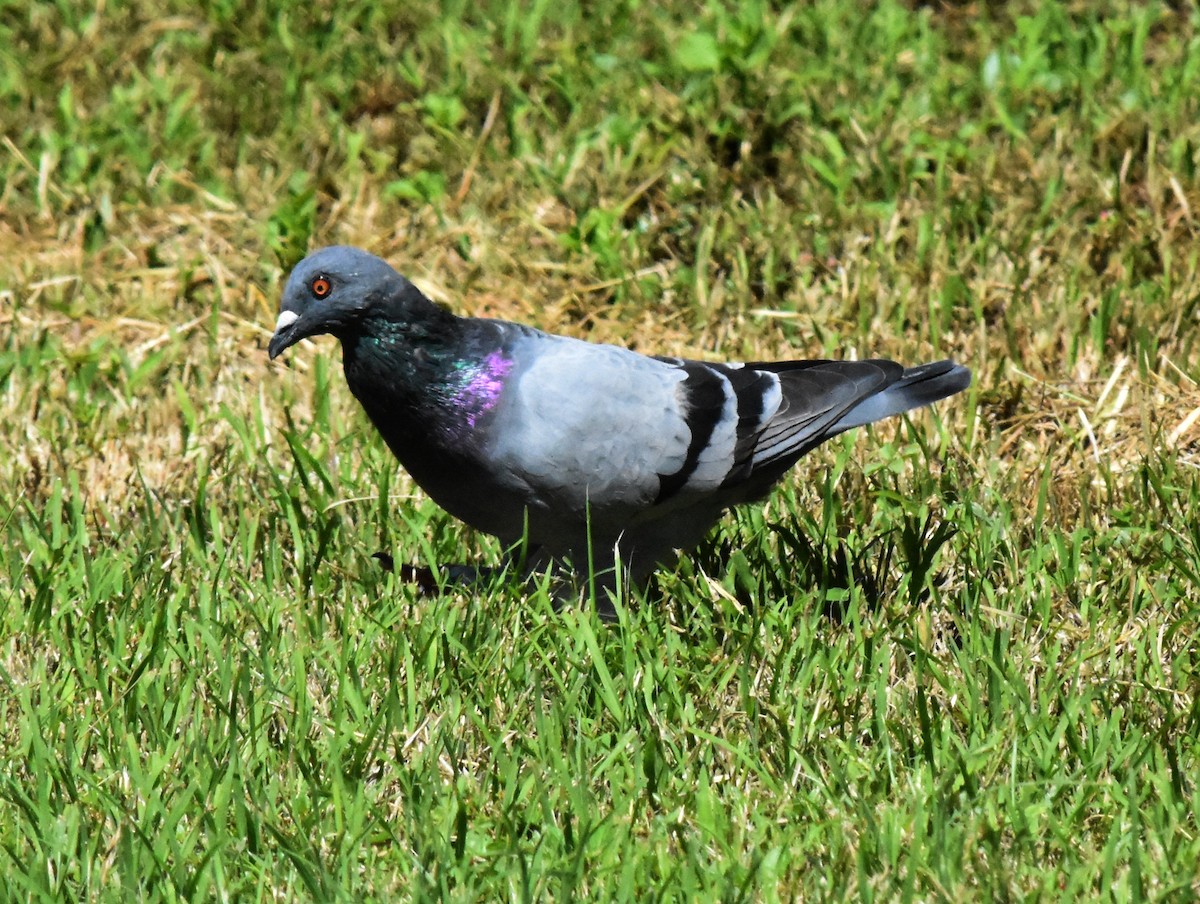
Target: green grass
{"points": [[954, 658]]}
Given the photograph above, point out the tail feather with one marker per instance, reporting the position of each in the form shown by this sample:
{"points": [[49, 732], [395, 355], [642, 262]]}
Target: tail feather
{"points": [[917, 386]]}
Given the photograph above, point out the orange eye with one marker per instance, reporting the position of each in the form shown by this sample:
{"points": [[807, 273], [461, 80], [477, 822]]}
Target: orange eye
{"points": [[321, 287]]}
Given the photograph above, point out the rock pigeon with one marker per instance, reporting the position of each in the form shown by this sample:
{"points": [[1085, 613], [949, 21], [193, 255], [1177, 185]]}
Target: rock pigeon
{"points": [[592, 454]]}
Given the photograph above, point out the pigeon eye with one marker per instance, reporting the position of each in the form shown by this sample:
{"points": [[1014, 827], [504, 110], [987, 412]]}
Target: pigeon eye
{"points": [[321, 287]]}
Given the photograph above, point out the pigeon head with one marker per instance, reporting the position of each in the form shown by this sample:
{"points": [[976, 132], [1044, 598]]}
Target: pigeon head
{"points": [[336, 290]]}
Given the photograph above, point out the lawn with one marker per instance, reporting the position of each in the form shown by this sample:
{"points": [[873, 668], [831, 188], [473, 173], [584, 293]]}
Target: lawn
{"points": [[953, 657]]}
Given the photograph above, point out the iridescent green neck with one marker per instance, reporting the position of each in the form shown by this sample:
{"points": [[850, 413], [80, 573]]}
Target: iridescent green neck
{"points": [[445, 378]]}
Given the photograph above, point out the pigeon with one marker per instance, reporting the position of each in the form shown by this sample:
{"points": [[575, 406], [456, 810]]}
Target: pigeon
{"points": [[599, 459]]}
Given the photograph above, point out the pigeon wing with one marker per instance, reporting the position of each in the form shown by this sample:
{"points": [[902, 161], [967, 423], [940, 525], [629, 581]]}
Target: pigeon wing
{"points": [[588, 425], [602, 426]]}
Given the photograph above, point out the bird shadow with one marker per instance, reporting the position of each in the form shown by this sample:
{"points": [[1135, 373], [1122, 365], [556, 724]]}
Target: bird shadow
{"points": [[760, 572], [840, 573]]}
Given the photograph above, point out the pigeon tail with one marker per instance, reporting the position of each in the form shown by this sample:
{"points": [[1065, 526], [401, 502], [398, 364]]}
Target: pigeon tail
{"points": [[917, 387]]}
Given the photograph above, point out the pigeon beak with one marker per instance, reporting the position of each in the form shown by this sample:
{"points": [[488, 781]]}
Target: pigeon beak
{"points": [[285, 333]]}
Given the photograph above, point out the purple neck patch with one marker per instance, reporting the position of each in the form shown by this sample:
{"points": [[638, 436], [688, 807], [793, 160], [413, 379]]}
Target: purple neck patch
{"points": [[481, 387]]}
